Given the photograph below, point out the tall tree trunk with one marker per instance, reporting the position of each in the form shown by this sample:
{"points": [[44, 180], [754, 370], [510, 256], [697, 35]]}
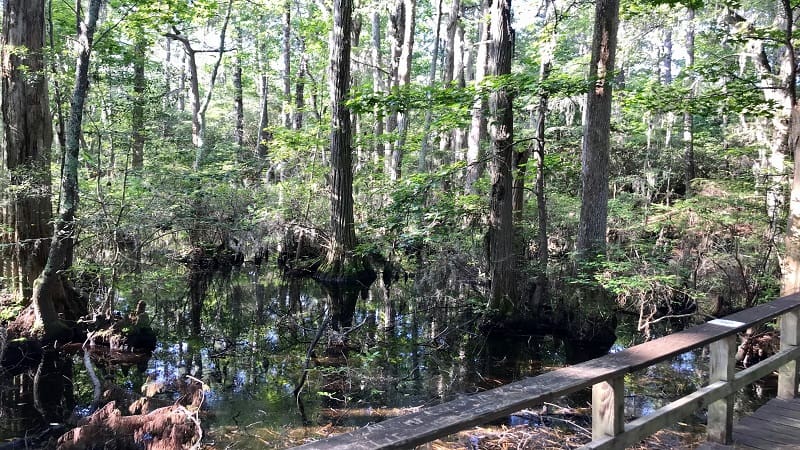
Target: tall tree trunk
{"points": [[137, 112], [343, 238], [286, 55], [377, 80], [404, 79], [49, 289], [449, 42], [501, 231], [596, 133], [299, 89], [238, 102], [462, 58], [688, 118], [396, 28], [264, 136], [668, 53], [790, 280], [477, 129], [25, 152], [422, 165], [542, 250], [448, 72]]}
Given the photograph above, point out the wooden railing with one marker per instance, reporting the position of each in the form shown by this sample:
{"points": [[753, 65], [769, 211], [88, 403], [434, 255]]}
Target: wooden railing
{"points": [[605, 375]]}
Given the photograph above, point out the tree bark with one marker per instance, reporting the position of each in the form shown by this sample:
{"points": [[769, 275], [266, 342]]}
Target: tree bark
{"points": [[343, 237], [501, 231], [25, 152], [596, 133]]}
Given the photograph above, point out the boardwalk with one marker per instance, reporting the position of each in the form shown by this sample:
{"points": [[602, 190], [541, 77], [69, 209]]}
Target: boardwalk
{"points": [[775, 426], [606, 377]]}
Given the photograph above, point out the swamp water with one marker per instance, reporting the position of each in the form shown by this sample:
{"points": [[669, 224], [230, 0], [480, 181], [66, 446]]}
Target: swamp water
{"points": [[254, 335]]}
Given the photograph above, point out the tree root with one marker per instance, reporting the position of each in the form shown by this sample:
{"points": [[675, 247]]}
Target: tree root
{"points": [[167, 428]]}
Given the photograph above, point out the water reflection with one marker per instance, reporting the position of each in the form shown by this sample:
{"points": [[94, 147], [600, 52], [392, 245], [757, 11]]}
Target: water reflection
{"points": [[358, 355]]}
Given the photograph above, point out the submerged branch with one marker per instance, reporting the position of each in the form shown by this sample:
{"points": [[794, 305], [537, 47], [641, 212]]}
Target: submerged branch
{"points": [[309, 353]]}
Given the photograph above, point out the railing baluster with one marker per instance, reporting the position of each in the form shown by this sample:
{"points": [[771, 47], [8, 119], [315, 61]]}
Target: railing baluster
{"points": [[720, 412], [787, 374], [608, 408]]}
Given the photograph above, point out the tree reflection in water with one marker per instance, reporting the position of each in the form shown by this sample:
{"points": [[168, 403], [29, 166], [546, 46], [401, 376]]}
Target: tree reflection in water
{"points": [[249, 338]]}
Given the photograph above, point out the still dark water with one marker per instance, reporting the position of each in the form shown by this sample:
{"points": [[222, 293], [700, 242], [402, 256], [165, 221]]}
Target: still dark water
{"points": [[256, 333]]}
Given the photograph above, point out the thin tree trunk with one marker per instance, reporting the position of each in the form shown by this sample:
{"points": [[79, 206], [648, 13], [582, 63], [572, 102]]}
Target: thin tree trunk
{"points": [[59, 98], [238, 102], [404, 79], [477, 130], [396, 27], [448, 71], [542, 250], [377, 80], [26, 212], [688, 118], [668, 53], [501, 230], [287, 73], [262, 146], [596, 133], [199, 108], [299, 91], [462, 58], [520, 164], [422, 165], [137, 112]]}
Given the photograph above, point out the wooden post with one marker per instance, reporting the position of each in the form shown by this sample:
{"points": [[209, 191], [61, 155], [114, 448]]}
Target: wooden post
{"points": [[720, 413], [787, 374], [608, 408]]}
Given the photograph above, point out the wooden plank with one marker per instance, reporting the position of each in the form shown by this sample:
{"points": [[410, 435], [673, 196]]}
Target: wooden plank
{"points": [[715, 446], [447, 418], [783, 403], [743, 438], [608, 408], [777, 415], [720, 412], [787, 374], [769, 429]]}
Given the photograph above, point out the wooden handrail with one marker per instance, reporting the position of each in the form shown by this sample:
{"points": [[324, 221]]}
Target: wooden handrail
{"points": [[605, 375]]}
